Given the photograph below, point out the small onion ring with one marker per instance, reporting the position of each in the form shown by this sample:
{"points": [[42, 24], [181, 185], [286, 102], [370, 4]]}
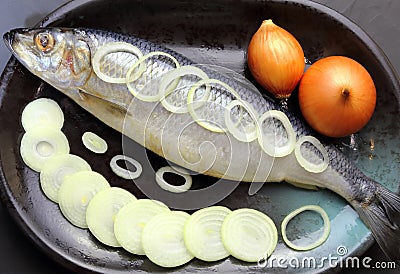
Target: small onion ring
{"points": [[273, 150], [108, 48], [125, 173], [241, 136], [177, 73], [291, 215], [94, 142], [171, 188], [129, 78], [311, 167]]}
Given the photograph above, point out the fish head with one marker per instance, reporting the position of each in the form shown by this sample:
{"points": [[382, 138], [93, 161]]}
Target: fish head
{"points": [[61, 57]]}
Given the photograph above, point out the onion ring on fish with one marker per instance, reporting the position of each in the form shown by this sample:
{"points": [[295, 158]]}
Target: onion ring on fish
{"points": [[132, 78], [305, 163], [108, 48], [164, 91], [271, 148]]}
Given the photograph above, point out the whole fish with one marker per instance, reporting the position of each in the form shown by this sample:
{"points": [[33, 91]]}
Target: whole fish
{"points": [[63, 58]]}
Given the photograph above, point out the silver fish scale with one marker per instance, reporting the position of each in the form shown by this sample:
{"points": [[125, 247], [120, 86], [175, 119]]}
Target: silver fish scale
{"points": [[337, 160], [116, 65]]}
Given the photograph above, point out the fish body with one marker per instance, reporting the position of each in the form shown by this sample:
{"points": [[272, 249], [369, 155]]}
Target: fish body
{"points": [[175, 136]]}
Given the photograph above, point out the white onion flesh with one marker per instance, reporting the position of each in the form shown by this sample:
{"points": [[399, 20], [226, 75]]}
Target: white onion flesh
{"points": [[112, 47], [172, 188], [130, 221], [305, 163], [42, 112], [162, 239], [164, 91], [94, 143], [249, 235], [125, 173], [270, 147], [296, 212], [54, 173], [76, 193], [132, 78], [101, 211], [243, 134], [202, 233], [41, 144]]}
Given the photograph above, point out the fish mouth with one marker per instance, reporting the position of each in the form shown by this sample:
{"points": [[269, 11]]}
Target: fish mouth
{"points": [[11, 37], [8, 38]]}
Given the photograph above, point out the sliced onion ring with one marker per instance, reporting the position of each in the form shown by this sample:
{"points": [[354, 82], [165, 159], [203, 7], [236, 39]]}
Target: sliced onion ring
{"points": [[108, 48], [233, 128], [273, 150], [175, 170], [131, 78], [125, 173], [321, 240], [191, 107], [311, 167], [176, 74]]}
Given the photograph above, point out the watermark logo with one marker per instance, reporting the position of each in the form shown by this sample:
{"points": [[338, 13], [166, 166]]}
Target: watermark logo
{"points": [[338, 260], [341, 250]]}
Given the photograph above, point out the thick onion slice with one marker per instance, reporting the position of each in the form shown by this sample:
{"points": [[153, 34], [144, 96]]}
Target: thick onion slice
{"points": [[54, 173], [164, 91], [112, 47], [130, 221], [42, 112], [172, 188], [305, 163], [202, 233], [125, 173], [41, 144], [76, 192], [248, 134], [249, 235], [101, 211], [271, 148], [162, 239], [94, 143], [191, 104], [133, 77], [321, 240]]}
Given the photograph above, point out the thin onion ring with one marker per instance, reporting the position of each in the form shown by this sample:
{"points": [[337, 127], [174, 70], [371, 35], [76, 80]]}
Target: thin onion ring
{"points": [[129, 78], [176, 74], [294, 213], [171, 188], [311, 167], [125, 173], [191, 107], [273, 150], [108, 48], [241, 136]]}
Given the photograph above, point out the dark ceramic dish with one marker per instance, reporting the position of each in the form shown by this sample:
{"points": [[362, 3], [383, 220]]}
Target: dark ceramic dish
{"points": [[215, 32]]}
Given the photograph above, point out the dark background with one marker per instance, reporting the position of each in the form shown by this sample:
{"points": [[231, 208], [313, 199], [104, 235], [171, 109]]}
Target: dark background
{"points": [[379, 18]]}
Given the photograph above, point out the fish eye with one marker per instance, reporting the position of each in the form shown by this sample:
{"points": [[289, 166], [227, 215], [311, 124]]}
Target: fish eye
{"points": [[44, 41]]}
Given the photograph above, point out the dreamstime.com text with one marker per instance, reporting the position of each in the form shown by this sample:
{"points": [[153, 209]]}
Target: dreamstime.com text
{"points": [[331, 261]]}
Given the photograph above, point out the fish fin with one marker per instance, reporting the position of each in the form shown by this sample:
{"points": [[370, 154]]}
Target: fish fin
{"points": [[382, 216], [300, 185]]}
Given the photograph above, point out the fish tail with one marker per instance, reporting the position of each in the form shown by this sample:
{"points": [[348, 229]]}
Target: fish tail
{"points": [[381, 214]]}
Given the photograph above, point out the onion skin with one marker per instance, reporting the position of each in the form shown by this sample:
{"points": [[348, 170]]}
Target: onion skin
{"points": [[275, 59], [337, 96]]}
